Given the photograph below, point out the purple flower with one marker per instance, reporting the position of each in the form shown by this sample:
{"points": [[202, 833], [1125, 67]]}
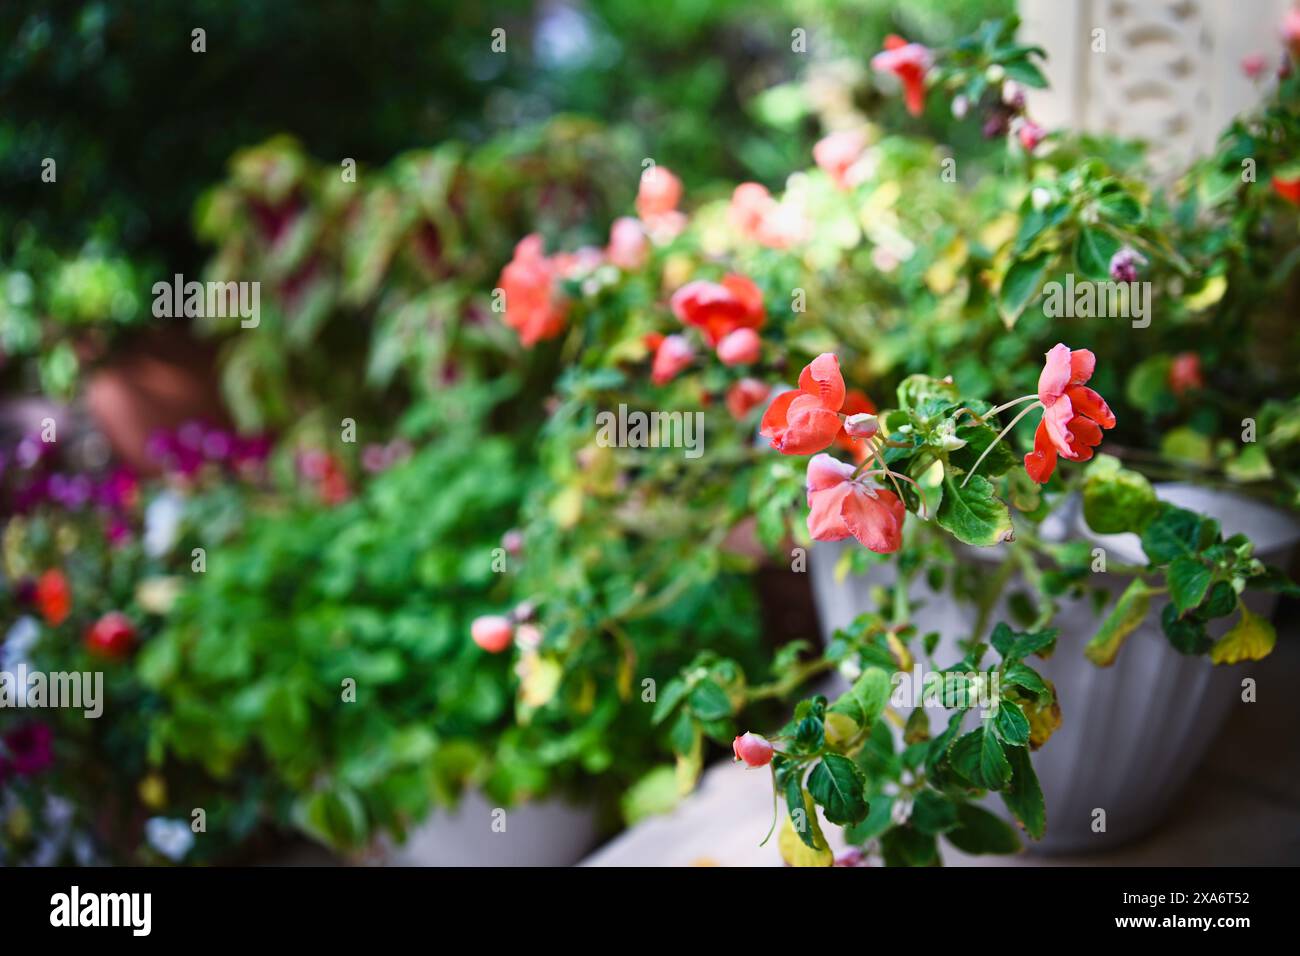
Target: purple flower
{"points": [[29, 750], [1124, 264]]}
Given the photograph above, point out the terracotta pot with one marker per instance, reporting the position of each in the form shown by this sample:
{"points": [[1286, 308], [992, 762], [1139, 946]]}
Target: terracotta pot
{"points": [[161, 380]]}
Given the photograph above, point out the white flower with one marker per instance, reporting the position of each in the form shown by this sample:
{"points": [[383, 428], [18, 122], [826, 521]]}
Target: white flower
{"points": [[18, 642], [172, 838], [162, 521]]}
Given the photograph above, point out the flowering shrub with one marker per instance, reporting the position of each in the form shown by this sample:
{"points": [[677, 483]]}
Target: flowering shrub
{"points": [[945, 303]]}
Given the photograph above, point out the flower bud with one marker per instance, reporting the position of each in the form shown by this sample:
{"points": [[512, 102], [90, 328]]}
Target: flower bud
{"points": [[754, 750], [111, 636], [862, 425], [492, 632]]}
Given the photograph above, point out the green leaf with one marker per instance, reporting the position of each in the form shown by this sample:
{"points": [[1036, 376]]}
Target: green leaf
{"points": [[1024, 72], [1024, 797], [932, 813], [908, 846], [674, 692], [1251, 639], [1189, 579], [1011, 724], [838, 785], [1092, 253], [1017, 645], [878, 819], [1022, 675], [1129, 612], [973, 514], [866, 699], [709, 701], [1119, 207], [1173, 532], [1022, 283], [1116, 499], [1186, 634], [803, 844], [994, 769], [979, 831]]}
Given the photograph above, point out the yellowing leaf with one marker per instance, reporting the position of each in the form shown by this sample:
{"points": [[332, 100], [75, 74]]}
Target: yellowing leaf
{"points": [[566, 507], [1209, 294], [1251, 639], [797, 853]]}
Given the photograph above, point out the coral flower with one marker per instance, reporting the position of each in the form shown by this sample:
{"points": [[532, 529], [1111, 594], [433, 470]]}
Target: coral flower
{"points": [[1073, 415], [1291, 32], [534, 308], [807, 420], [53, 597], [492, 632], [838, 153], [718, 309], [746, 395], [659, 192], [741, 347], [909, 62], [750, 203], [840, 505], [673, 354]]}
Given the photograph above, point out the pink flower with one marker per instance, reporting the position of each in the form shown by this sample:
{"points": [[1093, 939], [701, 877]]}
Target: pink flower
{"points": [[838, 153], [718, 309], [534, 308], [804, 421], [909, 62], [1253, 65], [1124, 264], [1073, 416], [628, 246], [1291, 31], [1029, 133], [492, 632], [741, 347], [574, 265], [757, 216], [840, 505], [671, 357], [753, 749], [744, 396]]}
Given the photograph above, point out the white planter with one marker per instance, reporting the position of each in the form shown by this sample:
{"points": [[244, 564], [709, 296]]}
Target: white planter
{"points": [[1132, 733], [538, 833]]}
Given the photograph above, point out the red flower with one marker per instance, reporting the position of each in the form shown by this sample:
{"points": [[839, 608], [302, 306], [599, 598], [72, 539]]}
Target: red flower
{"points": [[1288, 189], [1073, 416], [717, 309], [54, 597], [111, 636], [534, 308], [1185, 373], [746, 395], [840, 505], [753, 749], [909, 62], [804, 421]]}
